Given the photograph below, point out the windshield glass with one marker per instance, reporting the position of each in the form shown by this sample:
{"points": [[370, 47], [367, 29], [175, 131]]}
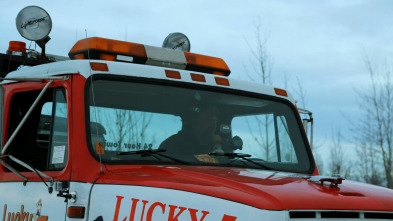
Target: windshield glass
{"points": [[194, 126]]}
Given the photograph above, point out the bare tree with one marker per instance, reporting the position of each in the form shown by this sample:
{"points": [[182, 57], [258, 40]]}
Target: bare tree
{"points": [[369, 166], [262, 63], [339, 162], [125, 128], [122, 120], [301, 95], [137, 126], [375, 129], [337, 155]]}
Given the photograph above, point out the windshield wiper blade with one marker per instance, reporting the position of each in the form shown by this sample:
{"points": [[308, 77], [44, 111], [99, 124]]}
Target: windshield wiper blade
{"points": [[241, 156], [152, 153]]}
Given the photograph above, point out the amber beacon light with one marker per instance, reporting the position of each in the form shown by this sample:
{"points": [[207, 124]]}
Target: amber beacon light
{"points": [[114, 50]]}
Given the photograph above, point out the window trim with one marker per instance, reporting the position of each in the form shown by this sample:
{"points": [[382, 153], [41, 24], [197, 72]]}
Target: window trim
{"points": [[165, 82], [1, 116], [9, 91]]}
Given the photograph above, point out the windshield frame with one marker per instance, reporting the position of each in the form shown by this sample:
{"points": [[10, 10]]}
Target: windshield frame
{"points": [[188, 85]]}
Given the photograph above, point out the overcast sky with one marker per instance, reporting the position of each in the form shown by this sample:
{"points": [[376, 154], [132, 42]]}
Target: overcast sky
{"points": [[321, 43]]}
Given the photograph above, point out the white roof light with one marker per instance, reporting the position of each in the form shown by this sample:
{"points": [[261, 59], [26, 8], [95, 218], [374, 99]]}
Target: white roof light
{"points": [[177, 41], [33, 23]]}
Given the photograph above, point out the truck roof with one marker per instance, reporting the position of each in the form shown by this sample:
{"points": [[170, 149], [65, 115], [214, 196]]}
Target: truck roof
{"points": [[83, 67]]}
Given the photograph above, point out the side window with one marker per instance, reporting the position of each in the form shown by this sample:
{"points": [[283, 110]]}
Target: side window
{"points": [[42, 141], [258, 134], [265, 136]]}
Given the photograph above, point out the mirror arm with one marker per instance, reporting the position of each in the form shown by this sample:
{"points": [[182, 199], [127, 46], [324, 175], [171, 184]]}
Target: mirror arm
{"points": [[14, 171]]}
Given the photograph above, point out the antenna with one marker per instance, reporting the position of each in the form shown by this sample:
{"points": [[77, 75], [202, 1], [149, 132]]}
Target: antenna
{"points": [[95, 107], [126, 33], [34, 24], [177, 41]]}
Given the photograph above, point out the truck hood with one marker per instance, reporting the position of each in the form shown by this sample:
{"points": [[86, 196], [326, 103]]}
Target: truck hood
{"points": [[263, 189]]}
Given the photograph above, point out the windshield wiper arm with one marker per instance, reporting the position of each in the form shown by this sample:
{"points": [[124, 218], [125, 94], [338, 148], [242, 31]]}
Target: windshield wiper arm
{"points": [[241, 156], [152, 153]]}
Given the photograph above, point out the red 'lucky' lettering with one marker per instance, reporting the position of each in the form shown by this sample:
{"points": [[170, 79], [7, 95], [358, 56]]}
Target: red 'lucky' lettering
{"points": [[144, 206], [194, 216], [119, 198], [172, 216], [151, 209], [21, 216], [133, 208], [229, 218]]}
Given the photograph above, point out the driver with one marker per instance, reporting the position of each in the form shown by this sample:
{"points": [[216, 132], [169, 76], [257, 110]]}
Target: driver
{"points": [[196, 137]]}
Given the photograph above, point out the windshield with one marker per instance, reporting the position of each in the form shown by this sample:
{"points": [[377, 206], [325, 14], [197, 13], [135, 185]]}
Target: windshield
{"points": [[140, 123]]}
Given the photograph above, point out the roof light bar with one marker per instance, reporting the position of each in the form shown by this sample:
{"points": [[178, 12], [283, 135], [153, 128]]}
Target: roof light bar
{"points": [[95, 47], [113, 50], [201, 63]]}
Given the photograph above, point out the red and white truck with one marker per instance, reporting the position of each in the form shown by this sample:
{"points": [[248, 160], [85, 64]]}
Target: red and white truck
{"points": [[125, 131]]}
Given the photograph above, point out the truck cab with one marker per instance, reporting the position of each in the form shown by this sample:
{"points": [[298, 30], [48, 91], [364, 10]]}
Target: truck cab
{"points": [[125, 131]]}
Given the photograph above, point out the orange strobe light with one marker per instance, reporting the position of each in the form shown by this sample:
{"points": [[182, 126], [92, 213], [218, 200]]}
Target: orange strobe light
{"points": [[107, 49], [203, 63], [17, 48]]}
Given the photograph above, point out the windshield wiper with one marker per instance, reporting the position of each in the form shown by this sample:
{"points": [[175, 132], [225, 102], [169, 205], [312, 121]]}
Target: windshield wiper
{"points": [[237, 156], [152, 153]]}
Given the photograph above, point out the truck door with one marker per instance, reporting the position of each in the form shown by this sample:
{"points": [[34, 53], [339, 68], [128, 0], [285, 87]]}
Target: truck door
{"points": [[42, 144]]}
